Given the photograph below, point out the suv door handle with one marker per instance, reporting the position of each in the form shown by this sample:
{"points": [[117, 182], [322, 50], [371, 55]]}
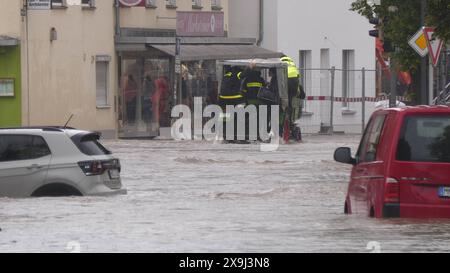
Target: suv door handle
{"points": [[35, 166], [361, 170]]}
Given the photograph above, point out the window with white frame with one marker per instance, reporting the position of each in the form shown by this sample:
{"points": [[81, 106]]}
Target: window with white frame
{"points": [[102, 80], [150, 3], [348, 75], [196, 4], [216, 5], [305, 62], [6, 87], [59, 3], [88, 3], [325, 77], [171, 3]]}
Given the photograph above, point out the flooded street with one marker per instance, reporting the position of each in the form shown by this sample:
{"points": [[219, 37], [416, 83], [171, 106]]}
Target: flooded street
{"points": [[205, 197]]}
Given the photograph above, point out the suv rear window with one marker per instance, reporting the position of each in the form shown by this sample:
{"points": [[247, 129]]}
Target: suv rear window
{"points": [[89, 145], [425, 139], [22, 147]]}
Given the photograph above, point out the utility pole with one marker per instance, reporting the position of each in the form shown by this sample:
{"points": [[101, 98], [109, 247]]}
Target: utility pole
{"points": [[423, 62], [178, 74]]}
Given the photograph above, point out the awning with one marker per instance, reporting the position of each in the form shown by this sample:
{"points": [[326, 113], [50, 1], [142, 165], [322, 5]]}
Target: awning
{"points": [[8, 41], [218, 52]]}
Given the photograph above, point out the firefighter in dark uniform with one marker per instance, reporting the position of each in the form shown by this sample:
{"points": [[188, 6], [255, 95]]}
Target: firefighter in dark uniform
{"points": [[230, 94], [251, 83], [230, 91]]}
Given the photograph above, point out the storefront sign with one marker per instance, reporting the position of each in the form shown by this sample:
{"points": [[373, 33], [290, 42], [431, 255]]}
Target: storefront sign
{"points": [[39, 4], [132, 3], [208, 24]]}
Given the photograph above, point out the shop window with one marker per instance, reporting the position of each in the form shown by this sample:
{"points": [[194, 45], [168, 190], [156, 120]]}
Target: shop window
{"points": [[6, 88], [58, 4], [216, 5], [144, 100], [171, 4], [88, 4], [199, 79], [102, 79], [150, 3], [197, 4]]}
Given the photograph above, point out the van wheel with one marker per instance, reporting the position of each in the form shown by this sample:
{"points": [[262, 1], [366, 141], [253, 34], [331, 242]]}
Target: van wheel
{"points": [[56, 190], [346, 210]]}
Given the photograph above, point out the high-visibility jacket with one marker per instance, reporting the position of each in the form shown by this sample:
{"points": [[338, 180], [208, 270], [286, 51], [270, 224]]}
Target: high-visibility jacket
{"points": [[292, 68]]}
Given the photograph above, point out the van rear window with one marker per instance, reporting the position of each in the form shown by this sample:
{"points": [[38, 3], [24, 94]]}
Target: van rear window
{"points": [[425, 139]]}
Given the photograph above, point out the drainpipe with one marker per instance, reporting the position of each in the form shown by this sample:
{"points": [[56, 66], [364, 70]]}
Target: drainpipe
{"points": [[24, 14], [117, 15], [261, 23]]}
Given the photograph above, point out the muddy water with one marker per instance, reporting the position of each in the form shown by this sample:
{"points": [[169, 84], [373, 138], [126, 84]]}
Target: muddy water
{"points": [[205, 197]]}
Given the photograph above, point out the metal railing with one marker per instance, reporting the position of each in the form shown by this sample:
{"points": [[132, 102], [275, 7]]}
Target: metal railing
{"points": [[444, 96], [339, 100]]}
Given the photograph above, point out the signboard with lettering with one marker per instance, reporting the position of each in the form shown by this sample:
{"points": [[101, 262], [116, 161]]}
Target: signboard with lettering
{"points": [[39, 4], [200, 23]]}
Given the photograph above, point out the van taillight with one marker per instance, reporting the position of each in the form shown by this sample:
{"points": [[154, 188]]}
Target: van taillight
{"points": [[392, 191], [91, 168]]}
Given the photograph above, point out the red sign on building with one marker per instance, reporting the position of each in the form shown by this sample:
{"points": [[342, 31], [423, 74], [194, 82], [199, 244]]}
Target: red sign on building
{"points": [[200, 23]]}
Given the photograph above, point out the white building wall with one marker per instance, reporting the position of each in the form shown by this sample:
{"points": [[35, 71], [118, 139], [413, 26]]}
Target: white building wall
{"points": [[317, 25], [245, 21]]}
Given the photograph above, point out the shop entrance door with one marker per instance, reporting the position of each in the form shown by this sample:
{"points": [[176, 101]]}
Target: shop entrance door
{"points": [[144, 97]]}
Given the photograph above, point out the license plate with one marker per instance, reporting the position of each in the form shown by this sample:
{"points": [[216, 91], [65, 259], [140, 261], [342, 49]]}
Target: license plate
{"points": [[444, 192], [114, 174]]}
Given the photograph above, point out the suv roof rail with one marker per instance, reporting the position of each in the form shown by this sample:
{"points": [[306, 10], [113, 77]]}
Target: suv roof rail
{"points": [[43, 128]]}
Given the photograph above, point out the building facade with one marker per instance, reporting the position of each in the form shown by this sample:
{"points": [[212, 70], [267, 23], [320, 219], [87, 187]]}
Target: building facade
{"points": [[10, 64], [111, 65], [65, 64], [318, 35], [146, 45]]}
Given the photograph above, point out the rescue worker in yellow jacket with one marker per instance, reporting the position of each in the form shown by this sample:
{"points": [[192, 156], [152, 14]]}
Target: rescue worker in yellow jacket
{"points": [[296, 95]]}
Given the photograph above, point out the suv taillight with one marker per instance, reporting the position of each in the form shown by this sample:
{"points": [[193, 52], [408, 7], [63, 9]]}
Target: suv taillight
{"points": [[392, 191], [91, 168]]}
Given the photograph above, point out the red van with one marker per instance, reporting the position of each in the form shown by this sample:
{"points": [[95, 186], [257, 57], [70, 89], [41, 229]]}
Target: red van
{"points": [[402, 166]]}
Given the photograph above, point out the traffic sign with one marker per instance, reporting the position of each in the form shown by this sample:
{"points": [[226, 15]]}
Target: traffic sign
{"points": [[419, 43], [434, 44]]}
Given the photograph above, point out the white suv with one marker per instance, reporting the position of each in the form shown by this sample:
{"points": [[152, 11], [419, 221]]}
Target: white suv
{"points": [[53, 161]]}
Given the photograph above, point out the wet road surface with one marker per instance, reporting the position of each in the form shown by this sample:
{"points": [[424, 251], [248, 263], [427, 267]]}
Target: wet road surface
{"points": [[206, 197]]}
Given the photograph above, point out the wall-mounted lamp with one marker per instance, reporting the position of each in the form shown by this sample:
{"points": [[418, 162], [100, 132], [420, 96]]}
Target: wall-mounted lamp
{"points": [[53, 34]]}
